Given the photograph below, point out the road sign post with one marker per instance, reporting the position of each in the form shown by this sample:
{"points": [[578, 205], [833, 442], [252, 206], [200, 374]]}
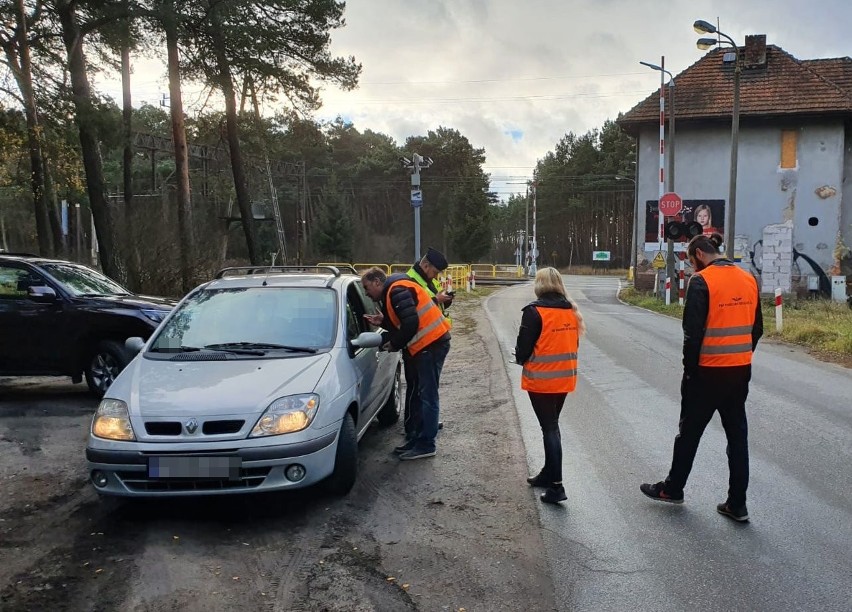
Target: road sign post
{"points": [[670, 205]]}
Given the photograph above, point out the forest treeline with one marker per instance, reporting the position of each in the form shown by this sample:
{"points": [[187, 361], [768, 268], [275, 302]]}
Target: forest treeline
{"points": [[172, 196]]}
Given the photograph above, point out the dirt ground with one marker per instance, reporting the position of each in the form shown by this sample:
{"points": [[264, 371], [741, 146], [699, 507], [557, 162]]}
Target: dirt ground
{"points": [[456, 532]]}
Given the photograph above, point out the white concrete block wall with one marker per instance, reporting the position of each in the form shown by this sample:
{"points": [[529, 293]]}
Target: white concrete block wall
{"points": [[777, 258]]}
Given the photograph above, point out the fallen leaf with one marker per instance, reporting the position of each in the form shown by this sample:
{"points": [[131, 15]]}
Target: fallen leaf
{"points": [[236, 578], [390, 578], [176, 537], [98, 571], [405, 586]]}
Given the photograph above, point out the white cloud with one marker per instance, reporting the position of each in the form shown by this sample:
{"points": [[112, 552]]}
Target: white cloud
{"points": [[542, 67]]}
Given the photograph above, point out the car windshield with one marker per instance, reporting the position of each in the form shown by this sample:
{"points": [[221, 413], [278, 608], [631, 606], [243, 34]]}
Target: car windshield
{"points": [[79, 280], [253, 320]]}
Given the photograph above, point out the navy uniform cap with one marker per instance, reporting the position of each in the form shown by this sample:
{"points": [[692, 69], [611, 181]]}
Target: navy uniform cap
{"points": [[437, 259]]}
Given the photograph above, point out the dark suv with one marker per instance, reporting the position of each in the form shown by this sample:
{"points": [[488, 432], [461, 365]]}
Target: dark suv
{"points": [[63, 318]]}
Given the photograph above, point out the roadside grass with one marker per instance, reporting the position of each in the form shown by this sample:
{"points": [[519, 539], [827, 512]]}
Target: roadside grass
{"points": [[822, 326], [650, 302], [475, 294]]}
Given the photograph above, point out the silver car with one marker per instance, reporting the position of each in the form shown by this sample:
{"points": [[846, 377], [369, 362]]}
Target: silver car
{"points": [[262, 379]]}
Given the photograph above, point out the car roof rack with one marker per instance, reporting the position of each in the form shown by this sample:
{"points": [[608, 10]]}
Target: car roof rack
{"points": [[252, 270]]}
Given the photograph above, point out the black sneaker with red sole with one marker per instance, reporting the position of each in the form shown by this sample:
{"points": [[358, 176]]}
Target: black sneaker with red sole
{"points": [[658, 492], [739, 515]]}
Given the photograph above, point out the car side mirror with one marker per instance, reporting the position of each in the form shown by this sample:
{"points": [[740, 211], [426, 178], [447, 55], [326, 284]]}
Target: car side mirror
{"points": [[41, 294], [134, 344], [367, 340]]}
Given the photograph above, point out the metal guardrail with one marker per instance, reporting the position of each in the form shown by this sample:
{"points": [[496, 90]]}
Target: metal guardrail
{"points": [[457, 276]]}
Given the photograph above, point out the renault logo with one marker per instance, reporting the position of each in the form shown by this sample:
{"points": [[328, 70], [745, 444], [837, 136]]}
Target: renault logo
{"points": [[191, 426]]}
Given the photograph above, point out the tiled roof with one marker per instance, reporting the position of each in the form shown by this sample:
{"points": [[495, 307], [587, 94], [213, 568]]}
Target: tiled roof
{"points": [[784, 86], [838, 70]]}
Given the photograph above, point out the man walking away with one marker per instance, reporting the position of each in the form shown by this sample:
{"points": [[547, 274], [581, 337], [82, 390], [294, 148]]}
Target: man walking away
{"points": [[722, 323]]}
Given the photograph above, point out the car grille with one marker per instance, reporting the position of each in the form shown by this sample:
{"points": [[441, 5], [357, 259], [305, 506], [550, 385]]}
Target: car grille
{"points": [[139, 482], [209, 428]]}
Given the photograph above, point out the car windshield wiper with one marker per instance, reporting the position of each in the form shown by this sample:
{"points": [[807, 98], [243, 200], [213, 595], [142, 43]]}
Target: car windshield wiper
{"points": [[261, 346], [175, 349], [102, 294]]}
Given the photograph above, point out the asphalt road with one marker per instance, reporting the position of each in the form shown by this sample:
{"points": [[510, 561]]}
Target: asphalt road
{"points": [[611, 548]]}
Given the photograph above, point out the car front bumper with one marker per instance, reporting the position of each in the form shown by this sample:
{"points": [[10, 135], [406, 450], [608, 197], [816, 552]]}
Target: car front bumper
{"points": [[125, 472]]}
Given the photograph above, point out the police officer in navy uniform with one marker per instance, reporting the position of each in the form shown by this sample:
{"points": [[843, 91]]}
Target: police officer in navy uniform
{"points": [[722, 323], [425, 273]]}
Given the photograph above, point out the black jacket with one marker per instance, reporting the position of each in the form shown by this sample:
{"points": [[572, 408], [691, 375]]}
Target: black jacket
{"points": [[404, 304], [530, 328], [695, 310]]}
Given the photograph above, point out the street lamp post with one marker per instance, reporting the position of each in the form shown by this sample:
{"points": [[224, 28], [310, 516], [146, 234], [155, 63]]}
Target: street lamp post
{"points": [[704, 27], [670, 145]]}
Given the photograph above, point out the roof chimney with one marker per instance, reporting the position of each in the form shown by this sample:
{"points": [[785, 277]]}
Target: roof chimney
{"points": [[755, 51]]}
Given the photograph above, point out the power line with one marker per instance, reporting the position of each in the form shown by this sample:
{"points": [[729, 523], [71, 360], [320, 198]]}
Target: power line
{"points": [[544, 98], [510, 80]]}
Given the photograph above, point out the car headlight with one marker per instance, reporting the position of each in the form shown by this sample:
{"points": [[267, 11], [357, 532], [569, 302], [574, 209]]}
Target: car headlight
{"points": [[112, 421], [155, 315], [286, 415]]}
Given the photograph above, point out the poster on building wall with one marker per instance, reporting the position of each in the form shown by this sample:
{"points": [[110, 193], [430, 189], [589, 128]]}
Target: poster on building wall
{"points": [[709, 213]]}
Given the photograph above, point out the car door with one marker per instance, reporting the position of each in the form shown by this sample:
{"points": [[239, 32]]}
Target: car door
{"points": [[387, 362], [364, 360], [30, 332]]}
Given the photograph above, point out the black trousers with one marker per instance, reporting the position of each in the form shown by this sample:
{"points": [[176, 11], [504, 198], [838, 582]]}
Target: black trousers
{"points": [[710, 390], [547, 407]]}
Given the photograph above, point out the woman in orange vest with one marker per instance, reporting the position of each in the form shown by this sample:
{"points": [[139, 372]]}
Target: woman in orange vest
{"points": [[722, 323], [546, 347]]}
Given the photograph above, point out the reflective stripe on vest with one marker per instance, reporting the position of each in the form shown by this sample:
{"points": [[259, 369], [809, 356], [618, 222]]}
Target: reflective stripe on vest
{"points": [[434, 288], [431, 324], [730, 317], [552, 368]]}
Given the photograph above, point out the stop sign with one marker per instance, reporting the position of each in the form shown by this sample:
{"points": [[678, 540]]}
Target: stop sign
{"points": [[670, 204]]}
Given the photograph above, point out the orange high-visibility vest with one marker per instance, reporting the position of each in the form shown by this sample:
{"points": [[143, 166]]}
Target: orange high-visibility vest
{"points": [[431, 322], [730, 318], [552, 367]]}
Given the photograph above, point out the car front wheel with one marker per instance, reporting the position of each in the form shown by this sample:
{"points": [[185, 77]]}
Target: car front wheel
{"points": [[103, 366], [343, 477]]}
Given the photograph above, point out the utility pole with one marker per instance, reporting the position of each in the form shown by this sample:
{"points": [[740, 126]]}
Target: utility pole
{"points": [[527, 229], [534, 252], [415, 164]]}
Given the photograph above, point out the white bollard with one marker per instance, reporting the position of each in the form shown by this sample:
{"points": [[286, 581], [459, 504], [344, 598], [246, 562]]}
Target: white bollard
{"points": [[668, 290], [473, 279], [779, 316]]}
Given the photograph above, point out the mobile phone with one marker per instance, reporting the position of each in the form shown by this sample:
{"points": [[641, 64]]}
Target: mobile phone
{"points": [[451, 292]]}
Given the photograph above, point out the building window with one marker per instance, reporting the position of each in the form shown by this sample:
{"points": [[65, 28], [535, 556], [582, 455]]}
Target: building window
{"points": [[789, 139]]}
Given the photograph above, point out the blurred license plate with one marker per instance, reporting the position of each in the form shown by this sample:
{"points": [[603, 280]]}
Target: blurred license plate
{"points": [[194, 467]]}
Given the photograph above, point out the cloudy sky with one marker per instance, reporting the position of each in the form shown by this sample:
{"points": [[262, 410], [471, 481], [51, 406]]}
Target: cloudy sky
{"points": [[514, 76]]}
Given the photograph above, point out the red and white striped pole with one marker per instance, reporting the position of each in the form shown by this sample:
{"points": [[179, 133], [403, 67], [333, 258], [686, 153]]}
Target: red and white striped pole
{"points": [[681, 282], [660, 216], [779, 317], [668, 290]]}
